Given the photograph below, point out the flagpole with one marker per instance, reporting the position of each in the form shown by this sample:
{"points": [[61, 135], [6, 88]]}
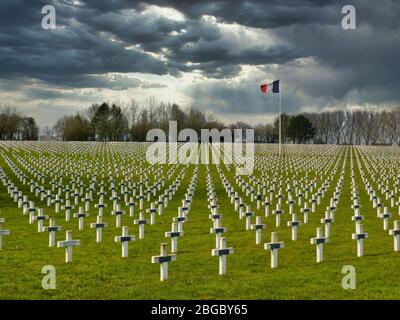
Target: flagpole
{"points": [[280, 118]]}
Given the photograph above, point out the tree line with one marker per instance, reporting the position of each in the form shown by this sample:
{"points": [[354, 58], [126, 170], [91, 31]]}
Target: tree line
{"points": [[131, 122], [16, 126]]}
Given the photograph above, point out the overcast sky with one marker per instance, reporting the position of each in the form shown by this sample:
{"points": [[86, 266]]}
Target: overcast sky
{"points": [[211, 54]]}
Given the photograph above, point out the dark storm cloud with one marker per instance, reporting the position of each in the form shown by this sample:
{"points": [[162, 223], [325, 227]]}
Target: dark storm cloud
{"points": [[254, 13], [28, 50], [84, 45], [112, 82], [99, 37]]}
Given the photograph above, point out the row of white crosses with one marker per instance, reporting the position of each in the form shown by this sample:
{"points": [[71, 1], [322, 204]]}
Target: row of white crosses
{"points": [[385, 215], [359, 235], [248, 215], [177, 230], [290, 202], [67, 244], [319, 240], [315, 199], [99, 225], [322, 238], [221, 250], [244, 211], [87, 199]]}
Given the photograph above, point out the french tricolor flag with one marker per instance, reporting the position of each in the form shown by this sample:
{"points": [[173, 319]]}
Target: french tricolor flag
{"points": [[270, 88]]}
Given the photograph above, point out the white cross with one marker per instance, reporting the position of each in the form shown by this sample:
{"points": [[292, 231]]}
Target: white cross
{"points": [[25, 204], [101, 205], [274, 246], [141, 198], [152, 212], [57, 203], [31, 211], [294, 223], [131, 205], [174, 234], [355, 204], [185, 207], [52, 229], [240, 207], [290, 202], [99, 225], [378, 208], [3, 233], [163, 259], [395, 232], [313, 202], [114, 197], [360, 236], [258, 227], [222, 251], [40, 218], [267, 204], [141, 222], [213, 205], [160, 203], [124, 239], [259, 197], [117, 213], [357, 219], [218, 230], [327, 221], [305, 211], [87, 200], [67, 209], [68, 244], [181, 219], [319, 241], [277, 213], [385, 216], [215, 215], [248, 214], [81, 216]]}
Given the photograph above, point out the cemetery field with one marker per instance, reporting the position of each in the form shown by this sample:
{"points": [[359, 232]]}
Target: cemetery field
{"points": [[339, 183]]}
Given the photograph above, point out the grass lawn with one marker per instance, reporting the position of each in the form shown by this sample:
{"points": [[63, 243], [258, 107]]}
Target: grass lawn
{"points": [[99, 272]]}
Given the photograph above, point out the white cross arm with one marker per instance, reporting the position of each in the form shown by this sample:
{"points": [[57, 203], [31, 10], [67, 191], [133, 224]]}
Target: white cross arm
{"points": [[72, 243], [258, 226], [221, 252], [40, 218], [173, 234], [124, 238], [50, 229], [218, 230], [81, 215], [293, 223], [356, 236], [99, 225], [144, 221], [163, 259], [319, 240], [274, 245]]}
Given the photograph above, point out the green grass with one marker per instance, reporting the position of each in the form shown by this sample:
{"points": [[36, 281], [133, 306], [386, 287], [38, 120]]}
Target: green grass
{"points": [[99, 272]]}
